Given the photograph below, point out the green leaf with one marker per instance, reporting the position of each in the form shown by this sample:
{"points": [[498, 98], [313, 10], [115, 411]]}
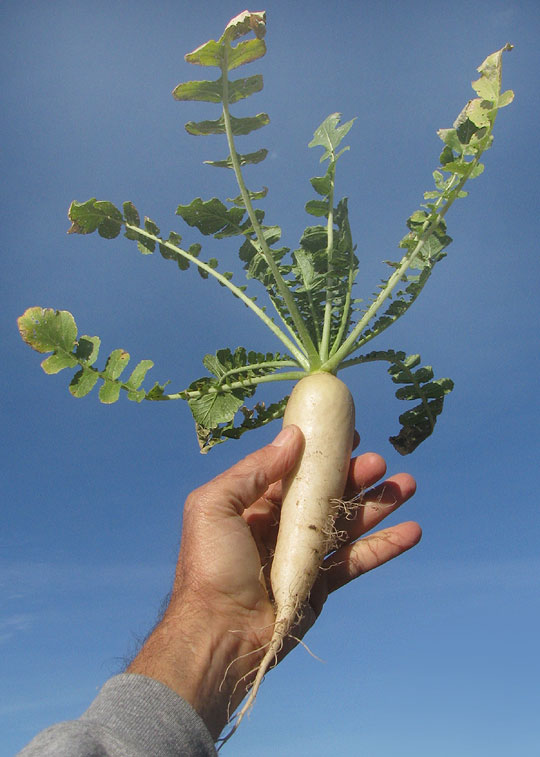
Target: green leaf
{"points": [[256, 265], [146, 246], [116, 362], [87, 350], [419, 422], [212, 54], [45, 329], [252, 418], [201, 91], [239, 200], [252, 157], [168, 254], [57, 362], [157, 392], [215, 400], [83, 382], [486, 88], [418, 385], [480, 112], [208, 54], [240, 126], [329, 135], [131, 214], [465, 128], [491, 68], [505, 99], [209, 410], [212, 217], [94, 214], [245, 52], [138, 374], [212, 91], [239, 89], [109, 392], [463, 168], [322, 184], [450, 138], [312, 280], [317, 208]]}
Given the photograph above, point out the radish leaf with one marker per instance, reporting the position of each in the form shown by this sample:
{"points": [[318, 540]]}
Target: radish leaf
{"points": [[317, 316], [47, 330]]}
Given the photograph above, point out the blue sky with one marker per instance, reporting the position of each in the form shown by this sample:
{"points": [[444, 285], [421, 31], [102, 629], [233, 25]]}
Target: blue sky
{"points": [[433, 655]]}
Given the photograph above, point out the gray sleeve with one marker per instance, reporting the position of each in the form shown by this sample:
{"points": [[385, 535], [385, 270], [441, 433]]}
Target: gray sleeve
{"points": [[132, 716]]}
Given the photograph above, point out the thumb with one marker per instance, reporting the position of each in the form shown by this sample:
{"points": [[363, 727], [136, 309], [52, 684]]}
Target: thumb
{"points": [[243, 484]]}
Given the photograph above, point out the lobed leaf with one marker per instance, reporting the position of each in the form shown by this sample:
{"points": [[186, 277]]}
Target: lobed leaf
{"points": [[57, 362], [240, 126], [419, 422], [252, 157], [202, 91], [427, 239], [214, 400], [116, 362], [312, 283], [418, 385], [329, 135], [83, 382], [256, 417], [138, 374], [87, 349], [239, 200], [48, 330], [94, 214], [213, 91], [212, 54], [211, 217]]}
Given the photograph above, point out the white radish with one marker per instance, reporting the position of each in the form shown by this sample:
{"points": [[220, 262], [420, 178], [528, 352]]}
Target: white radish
{"points": [[322, 406]]}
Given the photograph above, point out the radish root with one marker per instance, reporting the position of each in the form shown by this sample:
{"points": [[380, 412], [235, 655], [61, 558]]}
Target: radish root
{"points": [[322, 406]]}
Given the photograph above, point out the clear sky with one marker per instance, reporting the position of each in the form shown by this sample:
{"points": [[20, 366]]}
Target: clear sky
{"points": [[435, 654]]}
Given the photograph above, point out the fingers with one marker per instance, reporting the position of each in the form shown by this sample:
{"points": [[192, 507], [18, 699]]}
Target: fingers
{"points": [[375, 504], [353, 560], [240, 486], [365, 470]]}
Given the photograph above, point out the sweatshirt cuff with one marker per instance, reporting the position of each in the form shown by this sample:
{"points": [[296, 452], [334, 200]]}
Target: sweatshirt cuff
{"points": [[151, 717]]}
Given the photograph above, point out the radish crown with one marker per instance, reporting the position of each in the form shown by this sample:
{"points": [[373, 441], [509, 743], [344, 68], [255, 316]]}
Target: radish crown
{"points": [[314, 312]]}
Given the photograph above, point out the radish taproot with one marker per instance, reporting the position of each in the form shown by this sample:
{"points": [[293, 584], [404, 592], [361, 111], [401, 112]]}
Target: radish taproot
{"points": [[317, 318], [323, 408]]}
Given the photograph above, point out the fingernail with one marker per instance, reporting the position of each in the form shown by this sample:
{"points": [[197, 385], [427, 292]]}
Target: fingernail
{"points": [[283, 437]]}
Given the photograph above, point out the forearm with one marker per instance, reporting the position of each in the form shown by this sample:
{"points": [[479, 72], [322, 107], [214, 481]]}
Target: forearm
{"points": [[199, 656]]}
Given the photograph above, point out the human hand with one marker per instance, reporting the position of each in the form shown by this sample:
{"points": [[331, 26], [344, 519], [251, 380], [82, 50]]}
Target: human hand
{"points": [[220, 615]]}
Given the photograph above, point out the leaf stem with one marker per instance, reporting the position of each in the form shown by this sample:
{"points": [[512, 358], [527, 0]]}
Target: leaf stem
{"points": [[256, 366], [186, 394], [289, 328], [346, 308], [291, 347], [430, 225], [282, 287], [327, 323]]}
